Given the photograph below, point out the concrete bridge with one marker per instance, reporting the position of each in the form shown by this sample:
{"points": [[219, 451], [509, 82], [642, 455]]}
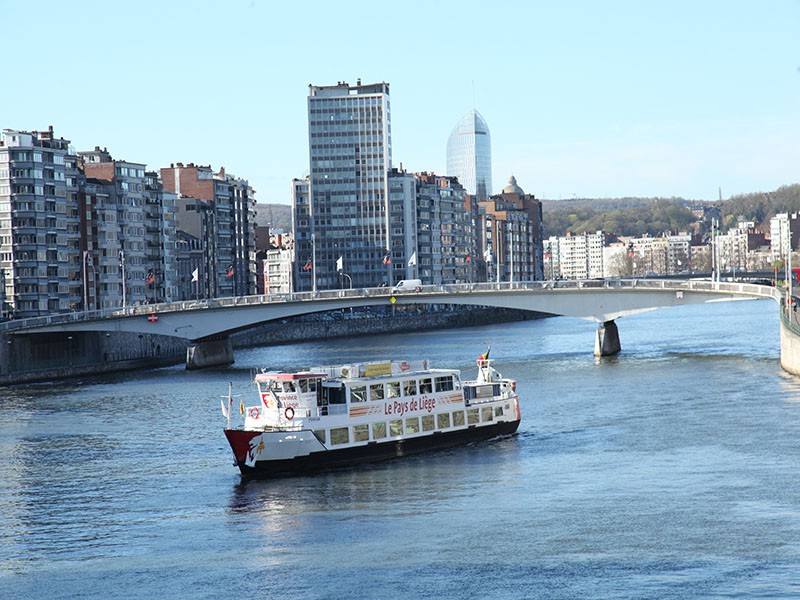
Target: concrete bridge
{"points": [[208, 323]]}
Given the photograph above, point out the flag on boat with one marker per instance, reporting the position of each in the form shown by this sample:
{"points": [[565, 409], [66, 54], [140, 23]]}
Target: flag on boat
{"points": [[195, 275], [340, 264], [485, 356], [151, 277], [469, 258], [225, 412], [413, 260], [307, 266], [241, 407], [387, 259], [229, 271]]}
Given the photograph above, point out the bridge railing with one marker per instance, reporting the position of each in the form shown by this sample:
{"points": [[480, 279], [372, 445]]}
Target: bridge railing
{"points": [[736, 288]]}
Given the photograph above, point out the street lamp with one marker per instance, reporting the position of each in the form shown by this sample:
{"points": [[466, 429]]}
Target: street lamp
{"points": [[122, 262], [87, 261]]}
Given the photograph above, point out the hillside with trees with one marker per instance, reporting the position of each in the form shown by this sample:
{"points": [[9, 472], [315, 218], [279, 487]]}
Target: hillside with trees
{"points": [[654, 216], [621, 216], [277, 216]]}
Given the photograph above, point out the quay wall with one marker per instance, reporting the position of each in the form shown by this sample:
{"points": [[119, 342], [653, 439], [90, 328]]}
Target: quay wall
{"points": [[44, 357], [790, 341]]}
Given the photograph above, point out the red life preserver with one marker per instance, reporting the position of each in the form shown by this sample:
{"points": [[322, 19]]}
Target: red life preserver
{"points": [[289, 413], [254, 412]]}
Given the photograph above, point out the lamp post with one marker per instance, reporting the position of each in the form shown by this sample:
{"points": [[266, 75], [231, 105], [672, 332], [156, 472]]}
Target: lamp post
{"points": [[122, 263], [86, 260]]}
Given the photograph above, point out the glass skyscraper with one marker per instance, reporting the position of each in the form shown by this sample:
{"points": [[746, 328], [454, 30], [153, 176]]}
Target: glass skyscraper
{"points": [[345, 214], [469, 155]]}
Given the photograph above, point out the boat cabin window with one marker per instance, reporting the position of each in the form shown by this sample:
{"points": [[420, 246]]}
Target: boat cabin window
{"points": [[378, 430], [289, 386], [307, 385], [425, 386], [361, 433], [444, 384], [358, 393], [333, 395], [393, 389], [443, 420], [376, 391], [396, 427], [340, 435], [410, 387]]}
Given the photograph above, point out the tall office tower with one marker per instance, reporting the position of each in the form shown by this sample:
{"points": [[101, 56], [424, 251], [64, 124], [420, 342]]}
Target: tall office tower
{"points": [[40, 258], [469, 155], [346, 222], [228, 226]]}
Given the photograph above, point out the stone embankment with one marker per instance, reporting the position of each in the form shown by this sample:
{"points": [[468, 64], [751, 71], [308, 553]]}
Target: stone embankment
{"points": [[44, 357]]}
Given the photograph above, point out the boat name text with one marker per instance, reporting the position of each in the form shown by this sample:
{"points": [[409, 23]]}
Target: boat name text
{"points": [[401, 408]]}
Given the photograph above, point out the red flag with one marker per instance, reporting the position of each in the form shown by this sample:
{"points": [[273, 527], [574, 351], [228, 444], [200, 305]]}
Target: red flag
{"points": [[151, 277], [387, 259], [307, 266], [469, 258], [229, 272]]}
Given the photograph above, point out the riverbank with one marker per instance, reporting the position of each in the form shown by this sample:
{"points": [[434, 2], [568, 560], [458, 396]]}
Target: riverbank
{"points": [[45, 357]]}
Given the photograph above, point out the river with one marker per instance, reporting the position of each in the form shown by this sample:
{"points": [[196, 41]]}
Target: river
{"points": [[669, 471]]}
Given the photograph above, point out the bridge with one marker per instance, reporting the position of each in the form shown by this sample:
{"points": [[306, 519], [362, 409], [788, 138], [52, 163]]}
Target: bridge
{"points": [[208, 323]]}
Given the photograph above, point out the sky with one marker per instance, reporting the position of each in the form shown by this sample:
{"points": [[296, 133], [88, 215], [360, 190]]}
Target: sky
{"points": [[583, 99]]}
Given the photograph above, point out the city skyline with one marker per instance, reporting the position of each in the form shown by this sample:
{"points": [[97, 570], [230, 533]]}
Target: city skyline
{"points": [[585, 100]]}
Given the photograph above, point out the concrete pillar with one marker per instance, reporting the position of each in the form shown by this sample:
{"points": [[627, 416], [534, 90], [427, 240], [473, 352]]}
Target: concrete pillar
{"points": [[606, 343], [209, 353]]}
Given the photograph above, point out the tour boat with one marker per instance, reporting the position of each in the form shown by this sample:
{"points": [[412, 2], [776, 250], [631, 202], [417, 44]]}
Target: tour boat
{"points": [[333, 417]]}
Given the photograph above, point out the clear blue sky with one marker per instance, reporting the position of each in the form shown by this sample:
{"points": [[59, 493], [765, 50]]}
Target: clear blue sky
{"points": [[586, 99]]}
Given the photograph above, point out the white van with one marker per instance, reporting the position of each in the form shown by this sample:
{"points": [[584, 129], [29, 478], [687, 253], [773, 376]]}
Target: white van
{"points": [[407, 285]]}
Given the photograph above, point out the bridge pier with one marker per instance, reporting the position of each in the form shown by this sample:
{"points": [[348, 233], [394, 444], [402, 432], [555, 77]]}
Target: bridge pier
{"points": [[606, 343], [209, 353]]}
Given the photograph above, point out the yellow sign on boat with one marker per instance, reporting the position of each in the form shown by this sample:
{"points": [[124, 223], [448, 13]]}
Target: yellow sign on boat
{"points": [[377, 369]]}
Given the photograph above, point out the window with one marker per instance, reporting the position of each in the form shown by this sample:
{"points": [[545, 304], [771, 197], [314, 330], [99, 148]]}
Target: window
{"points": [[458, 418], [360, 433], [427, 423], [472, 416], [358, 393], [410, 387], [498, 412], [320, 435], [487, 414], [378, 431], [412, 425], [396, 427], [425, 386], [393, 389], [376, 391], [444, 384], [443, 420], [340, 435]]}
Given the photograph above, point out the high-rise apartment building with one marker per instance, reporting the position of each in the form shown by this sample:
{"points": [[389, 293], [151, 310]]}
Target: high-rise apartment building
{"points": [[510, 235], [40, 264], [445, 230], [469, 155], [226, 226], [113, 233], [346, 220]]}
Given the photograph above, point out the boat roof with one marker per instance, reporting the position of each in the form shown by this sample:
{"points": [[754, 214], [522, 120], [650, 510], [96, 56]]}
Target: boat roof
{"points": [[281, 376], [372, 371]]}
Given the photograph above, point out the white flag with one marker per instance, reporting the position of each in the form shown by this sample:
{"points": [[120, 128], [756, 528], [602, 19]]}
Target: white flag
{"points": [[195, 275], [413, 260], [225, 412], [340, 264]]}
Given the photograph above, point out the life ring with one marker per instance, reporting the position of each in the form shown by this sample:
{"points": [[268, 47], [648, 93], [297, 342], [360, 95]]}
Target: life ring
{"points": [[254, 412], [289, 413]]}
